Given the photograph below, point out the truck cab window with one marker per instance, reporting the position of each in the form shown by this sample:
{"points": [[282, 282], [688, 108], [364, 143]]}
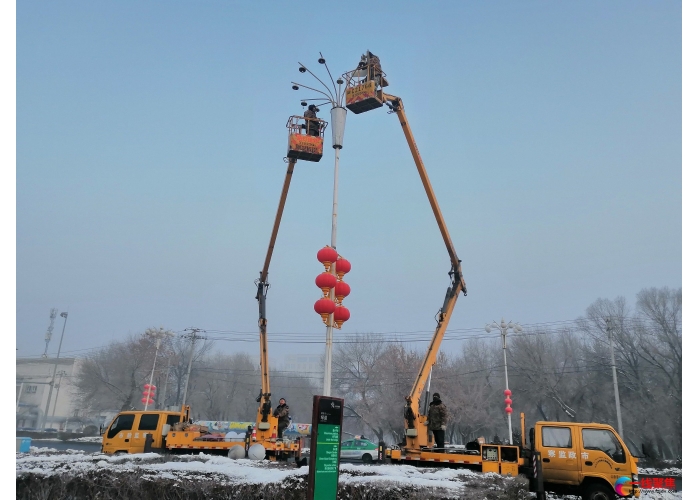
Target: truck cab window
{"points": [[556, 437], [605, 441], [122, 423], [172, 420], [149, 422]]}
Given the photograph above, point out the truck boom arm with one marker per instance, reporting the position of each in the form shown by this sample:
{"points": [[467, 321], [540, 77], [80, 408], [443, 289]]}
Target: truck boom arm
{"points": [[457, 284], [263, 285]]}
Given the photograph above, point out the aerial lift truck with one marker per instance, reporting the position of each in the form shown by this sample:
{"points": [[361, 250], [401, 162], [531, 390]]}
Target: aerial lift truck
{"points": [[585, 459]]}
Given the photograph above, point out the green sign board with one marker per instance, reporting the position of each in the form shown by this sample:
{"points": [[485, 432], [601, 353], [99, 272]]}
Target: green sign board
{"points": [[326, 467], [325, 448]]}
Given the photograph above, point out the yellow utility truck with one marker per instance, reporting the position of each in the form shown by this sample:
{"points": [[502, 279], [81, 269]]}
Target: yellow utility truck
{"points": [[168, 431]]}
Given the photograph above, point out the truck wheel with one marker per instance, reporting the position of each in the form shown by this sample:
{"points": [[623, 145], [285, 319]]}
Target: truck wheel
{"points": [[367, 458], [598, 492]]}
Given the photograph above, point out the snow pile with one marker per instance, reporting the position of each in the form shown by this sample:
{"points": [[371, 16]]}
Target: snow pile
{"points": [[87, 439], [147, 476], [670, 471], [207, 476]]}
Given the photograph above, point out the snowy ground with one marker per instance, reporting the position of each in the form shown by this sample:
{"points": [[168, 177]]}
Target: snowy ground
{"points": [[356, 481]]}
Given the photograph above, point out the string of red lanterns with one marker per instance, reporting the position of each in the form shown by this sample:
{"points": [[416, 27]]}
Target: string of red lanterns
{"points": [[148, 394], [508, 401], [326, 281]]}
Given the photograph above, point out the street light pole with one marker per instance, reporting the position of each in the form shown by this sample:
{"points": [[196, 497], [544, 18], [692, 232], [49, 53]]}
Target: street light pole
{"points": [[503, 328], [159, 335], [64, 315], [608, 327], [338, 111]]}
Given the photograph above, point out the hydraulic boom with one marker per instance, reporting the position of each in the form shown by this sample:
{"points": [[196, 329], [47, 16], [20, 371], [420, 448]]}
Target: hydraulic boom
{"points": [[263, 418], [416, 432]]}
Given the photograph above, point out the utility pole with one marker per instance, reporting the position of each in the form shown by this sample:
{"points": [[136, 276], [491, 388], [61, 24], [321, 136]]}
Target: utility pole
{"points": [[49, 331], [58, 389], [609, 328], [193, 338], [64, 315]]}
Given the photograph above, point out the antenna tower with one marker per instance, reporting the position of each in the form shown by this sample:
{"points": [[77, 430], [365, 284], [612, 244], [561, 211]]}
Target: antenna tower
{"points": [[49, 331]]}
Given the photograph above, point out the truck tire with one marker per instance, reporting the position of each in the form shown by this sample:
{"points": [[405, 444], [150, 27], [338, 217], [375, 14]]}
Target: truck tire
{"points": [[597, 491], [367, 458]]}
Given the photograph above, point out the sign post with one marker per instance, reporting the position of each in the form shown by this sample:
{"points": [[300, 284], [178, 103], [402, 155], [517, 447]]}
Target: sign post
{"points": [[324, 466]]}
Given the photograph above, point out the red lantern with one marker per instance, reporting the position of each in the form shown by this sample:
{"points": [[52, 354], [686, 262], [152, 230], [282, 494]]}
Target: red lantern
{"points": [[325, 281], [342, 267], [342, 314], [149, 386], [144, 400], [508, 401], [509, 409], [327, 256], [324, 307], [342, 290], [507, 392]]}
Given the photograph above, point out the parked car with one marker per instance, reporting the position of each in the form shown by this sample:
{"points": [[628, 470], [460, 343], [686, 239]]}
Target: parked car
{"points": [[359, 449]]}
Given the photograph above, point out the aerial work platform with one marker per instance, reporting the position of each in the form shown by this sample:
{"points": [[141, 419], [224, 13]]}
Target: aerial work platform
{"points": [[305, 138], [365, 84]]}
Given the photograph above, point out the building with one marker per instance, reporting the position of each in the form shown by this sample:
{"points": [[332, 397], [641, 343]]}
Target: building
{"points": [[33, 383]]}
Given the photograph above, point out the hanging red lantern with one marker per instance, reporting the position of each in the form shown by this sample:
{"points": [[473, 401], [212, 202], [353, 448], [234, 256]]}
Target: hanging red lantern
{"points": [[342, 314], [342, 290], [149, 386], [327, 256], [324, 307], [508, 401], [507, 392], [325, 281], [509, 409], [146, 400], [342, 267]]}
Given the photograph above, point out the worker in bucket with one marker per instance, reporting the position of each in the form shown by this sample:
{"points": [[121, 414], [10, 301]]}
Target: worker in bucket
{"points": [[437, 420], [312, 127], [282, 414]]}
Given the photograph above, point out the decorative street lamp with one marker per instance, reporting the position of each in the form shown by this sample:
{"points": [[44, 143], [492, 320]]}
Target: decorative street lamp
{"points": [[503, 328], [336, 98], [64, 315], [159, 335]]}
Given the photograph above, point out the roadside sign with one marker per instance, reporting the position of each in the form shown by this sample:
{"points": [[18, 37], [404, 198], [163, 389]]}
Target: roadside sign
{"points": [[324, 466]]}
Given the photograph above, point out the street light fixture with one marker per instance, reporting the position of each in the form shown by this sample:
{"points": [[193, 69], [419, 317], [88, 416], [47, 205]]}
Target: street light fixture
{"points": [[503, 328]]}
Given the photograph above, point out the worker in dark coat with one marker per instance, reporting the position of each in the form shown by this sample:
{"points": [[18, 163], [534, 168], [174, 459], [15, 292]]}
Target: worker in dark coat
{"points": [[375, 68], [312, 126], [437, 420], [282, 414]]}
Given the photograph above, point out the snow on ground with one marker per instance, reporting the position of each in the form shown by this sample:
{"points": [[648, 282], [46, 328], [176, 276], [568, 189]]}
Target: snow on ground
{"points": [[671, 471], [88, 439], [49, 461]]}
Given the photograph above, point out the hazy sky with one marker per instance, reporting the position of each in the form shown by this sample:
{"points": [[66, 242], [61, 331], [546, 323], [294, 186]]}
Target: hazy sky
{"points": [[151, 137]]}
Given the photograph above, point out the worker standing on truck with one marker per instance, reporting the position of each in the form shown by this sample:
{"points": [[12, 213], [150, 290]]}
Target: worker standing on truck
{"points": [[282, 414], [437, 420]]}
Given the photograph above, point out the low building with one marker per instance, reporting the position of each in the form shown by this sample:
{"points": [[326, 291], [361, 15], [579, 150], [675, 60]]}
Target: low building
{"points": [[34, 378]]}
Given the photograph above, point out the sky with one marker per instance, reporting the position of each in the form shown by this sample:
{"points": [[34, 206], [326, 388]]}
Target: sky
{"points": [[150, 139]]}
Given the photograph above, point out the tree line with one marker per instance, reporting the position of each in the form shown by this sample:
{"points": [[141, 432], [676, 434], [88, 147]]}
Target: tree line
{"points": [[556, 374]]}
